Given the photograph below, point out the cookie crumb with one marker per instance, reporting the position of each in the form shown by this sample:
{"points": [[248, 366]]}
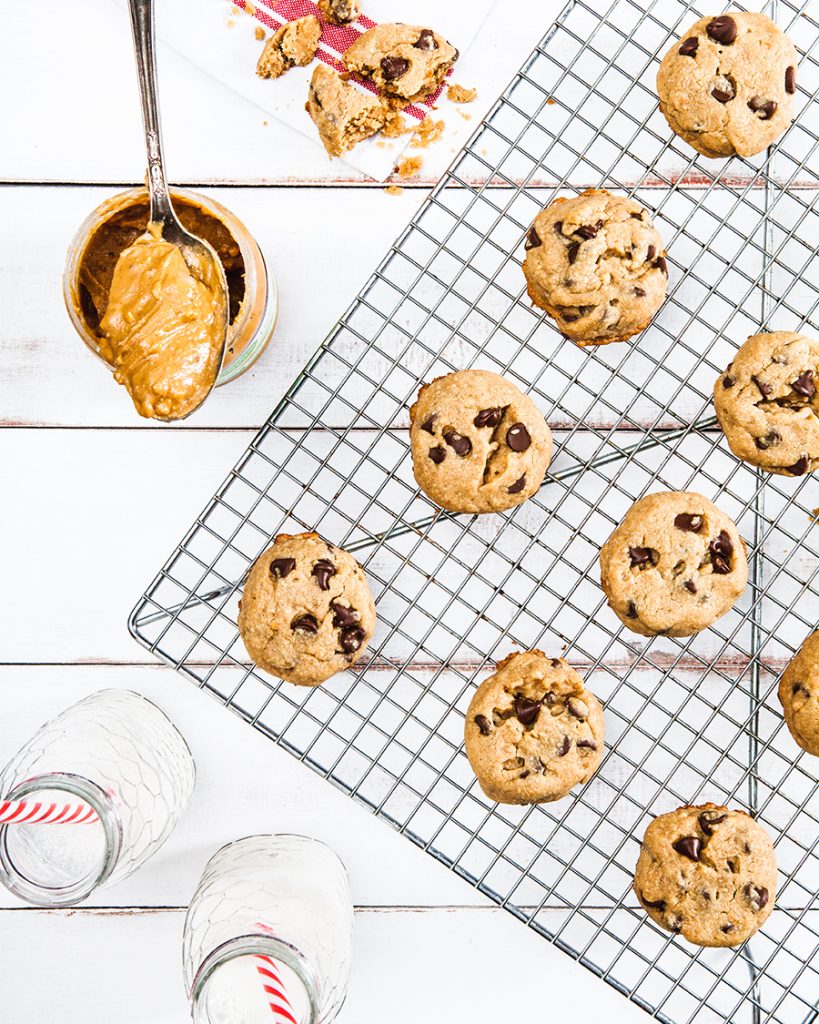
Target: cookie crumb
{"points": [[465, 115], [459, 94], [427, 132], [250, 9], [259, 33], [551, 101], [393, 190], [395, 125], [409, 167], [814, 513]]}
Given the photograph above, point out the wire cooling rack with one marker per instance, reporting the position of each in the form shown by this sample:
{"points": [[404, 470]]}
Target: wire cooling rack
{"points": [[688, 720]]}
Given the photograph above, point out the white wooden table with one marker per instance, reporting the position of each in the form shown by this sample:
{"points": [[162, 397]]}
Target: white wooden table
{"points": [[93, 500]]}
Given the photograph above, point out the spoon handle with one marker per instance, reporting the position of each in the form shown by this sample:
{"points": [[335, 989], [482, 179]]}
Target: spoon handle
{"points": [[142, 25]]}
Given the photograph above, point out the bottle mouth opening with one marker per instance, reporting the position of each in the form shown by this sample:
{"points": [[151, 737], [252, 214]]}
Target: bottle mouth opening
{"points": [[59, 865], [277, 974]]}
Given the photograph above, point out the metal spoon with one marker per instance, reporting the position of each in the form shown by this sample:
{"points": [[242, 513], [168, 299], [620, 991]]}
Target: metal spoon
{"points": [[200, 257]]}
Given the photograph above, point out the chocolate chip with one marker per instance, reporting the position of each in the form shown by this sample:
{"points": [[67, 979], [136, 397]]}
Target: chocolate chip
{"points": [[532, 240], [799, 688], [526, 711], [758, 895], [691, 522], [803, 385], [482, 723], [281, 567], [323, 570], [688, 846], [651, 252], [722, 29], [577, 708], [723, 95], [632, 610], [689, 47], [305, 624], [549, 697], [517, 437], [636, 216], [351, 638], [572, 251], [557, 227], [640, 556], [587, 744], [639, 291], [800, 467], [675, 923], [690, 586], [721, 548], [564, 747], [343, 616], [769, 440], [393, 67], [587, 231], [765, 109], [708, 819], [517, 486], [790, 80], [429, 424], [437, 454], [662, 264], [653, 904], [727, 928], [765, 389], [524, 774], [728, 381], [489, 417], [426, 41], [461, 445]]}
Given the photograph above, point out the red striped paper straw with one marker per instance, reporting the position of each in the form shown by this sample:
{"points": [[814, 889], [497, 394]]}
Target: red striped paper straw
{"points": [[25, 812], [275, 991]]}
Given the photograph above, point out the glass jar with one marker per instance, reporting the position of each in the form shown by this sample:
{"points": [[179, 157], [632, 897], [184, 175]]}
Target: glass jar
{"points": [[116, 752], [117, 222], [269, 928]]}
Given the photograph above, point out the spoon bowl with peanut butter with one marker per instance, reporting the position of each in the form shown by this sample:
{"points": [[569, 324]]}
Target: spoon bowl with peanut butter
{"points": [[165, 327]]}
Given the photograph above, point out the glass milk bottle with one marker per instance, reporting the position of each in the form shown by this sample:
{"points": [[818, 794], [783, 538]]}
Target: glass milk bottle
{"points": [[116, 756], [268, 935]]}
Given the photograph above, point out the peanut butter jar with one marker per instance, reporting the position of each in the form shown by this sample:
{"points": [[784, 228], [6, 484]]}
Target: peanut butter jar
{"points": [[117, 223]]}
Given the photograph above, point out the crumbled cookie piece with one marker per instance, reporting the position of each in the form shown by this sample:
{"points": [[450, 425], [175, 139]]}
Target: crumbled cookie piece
{"points": [[395, 125], [343, 115], [340, 12], [410, 167], [459, 94], [393, 190], [427, 132], [258, 32], [406, 62], [292, 45]]}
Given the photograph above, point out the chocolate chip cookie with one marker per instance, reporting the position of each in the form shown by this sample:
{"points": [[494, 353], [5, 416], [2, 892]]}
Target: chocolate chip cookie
{"points": [[342, 113], [597, 265], [533, 731], [478, 443], [340, 12], [306, 611], [767, 403], [799, 695], [726, 87], [406, 62], [708, 874], [674, 565], [292, 45]]}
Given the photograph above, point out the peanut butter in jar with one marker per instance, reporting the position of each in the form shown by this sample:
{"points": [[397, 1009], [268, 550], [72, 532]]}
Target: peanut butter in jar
{"points": [[114, 228]]}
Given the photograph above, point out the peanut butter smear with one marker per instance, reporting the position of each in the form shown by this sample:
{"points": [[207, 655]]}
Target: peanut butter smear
{"points": [[163, 328]]}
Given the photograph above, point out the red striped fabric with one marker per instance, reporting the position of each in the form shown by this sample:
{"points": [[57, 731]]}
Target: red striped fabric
{"points": [[334, 39]]}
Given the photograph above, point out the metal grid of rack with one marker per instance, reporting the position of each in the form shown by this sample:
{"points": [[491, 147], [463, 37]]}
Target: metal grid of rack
{"points": [[688, 720]]}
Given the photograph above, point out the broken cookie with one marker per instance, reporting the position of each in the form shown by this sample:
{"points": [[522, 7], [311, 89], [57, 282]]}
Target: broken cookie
{"points": [[342, 113], [294, 44], [406, 62]]}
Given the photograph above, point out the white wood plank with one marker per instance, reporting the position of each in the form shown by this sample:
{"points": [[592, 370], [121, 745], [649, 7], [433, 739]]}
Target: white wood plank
{"points": [[89, 129], [442, 965]]}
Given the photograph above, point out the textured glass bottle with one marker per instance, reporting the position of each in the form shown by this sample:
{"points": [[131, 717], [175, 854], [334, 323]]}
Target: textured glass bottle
{"points": [[116, 752], [269, 928]]}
